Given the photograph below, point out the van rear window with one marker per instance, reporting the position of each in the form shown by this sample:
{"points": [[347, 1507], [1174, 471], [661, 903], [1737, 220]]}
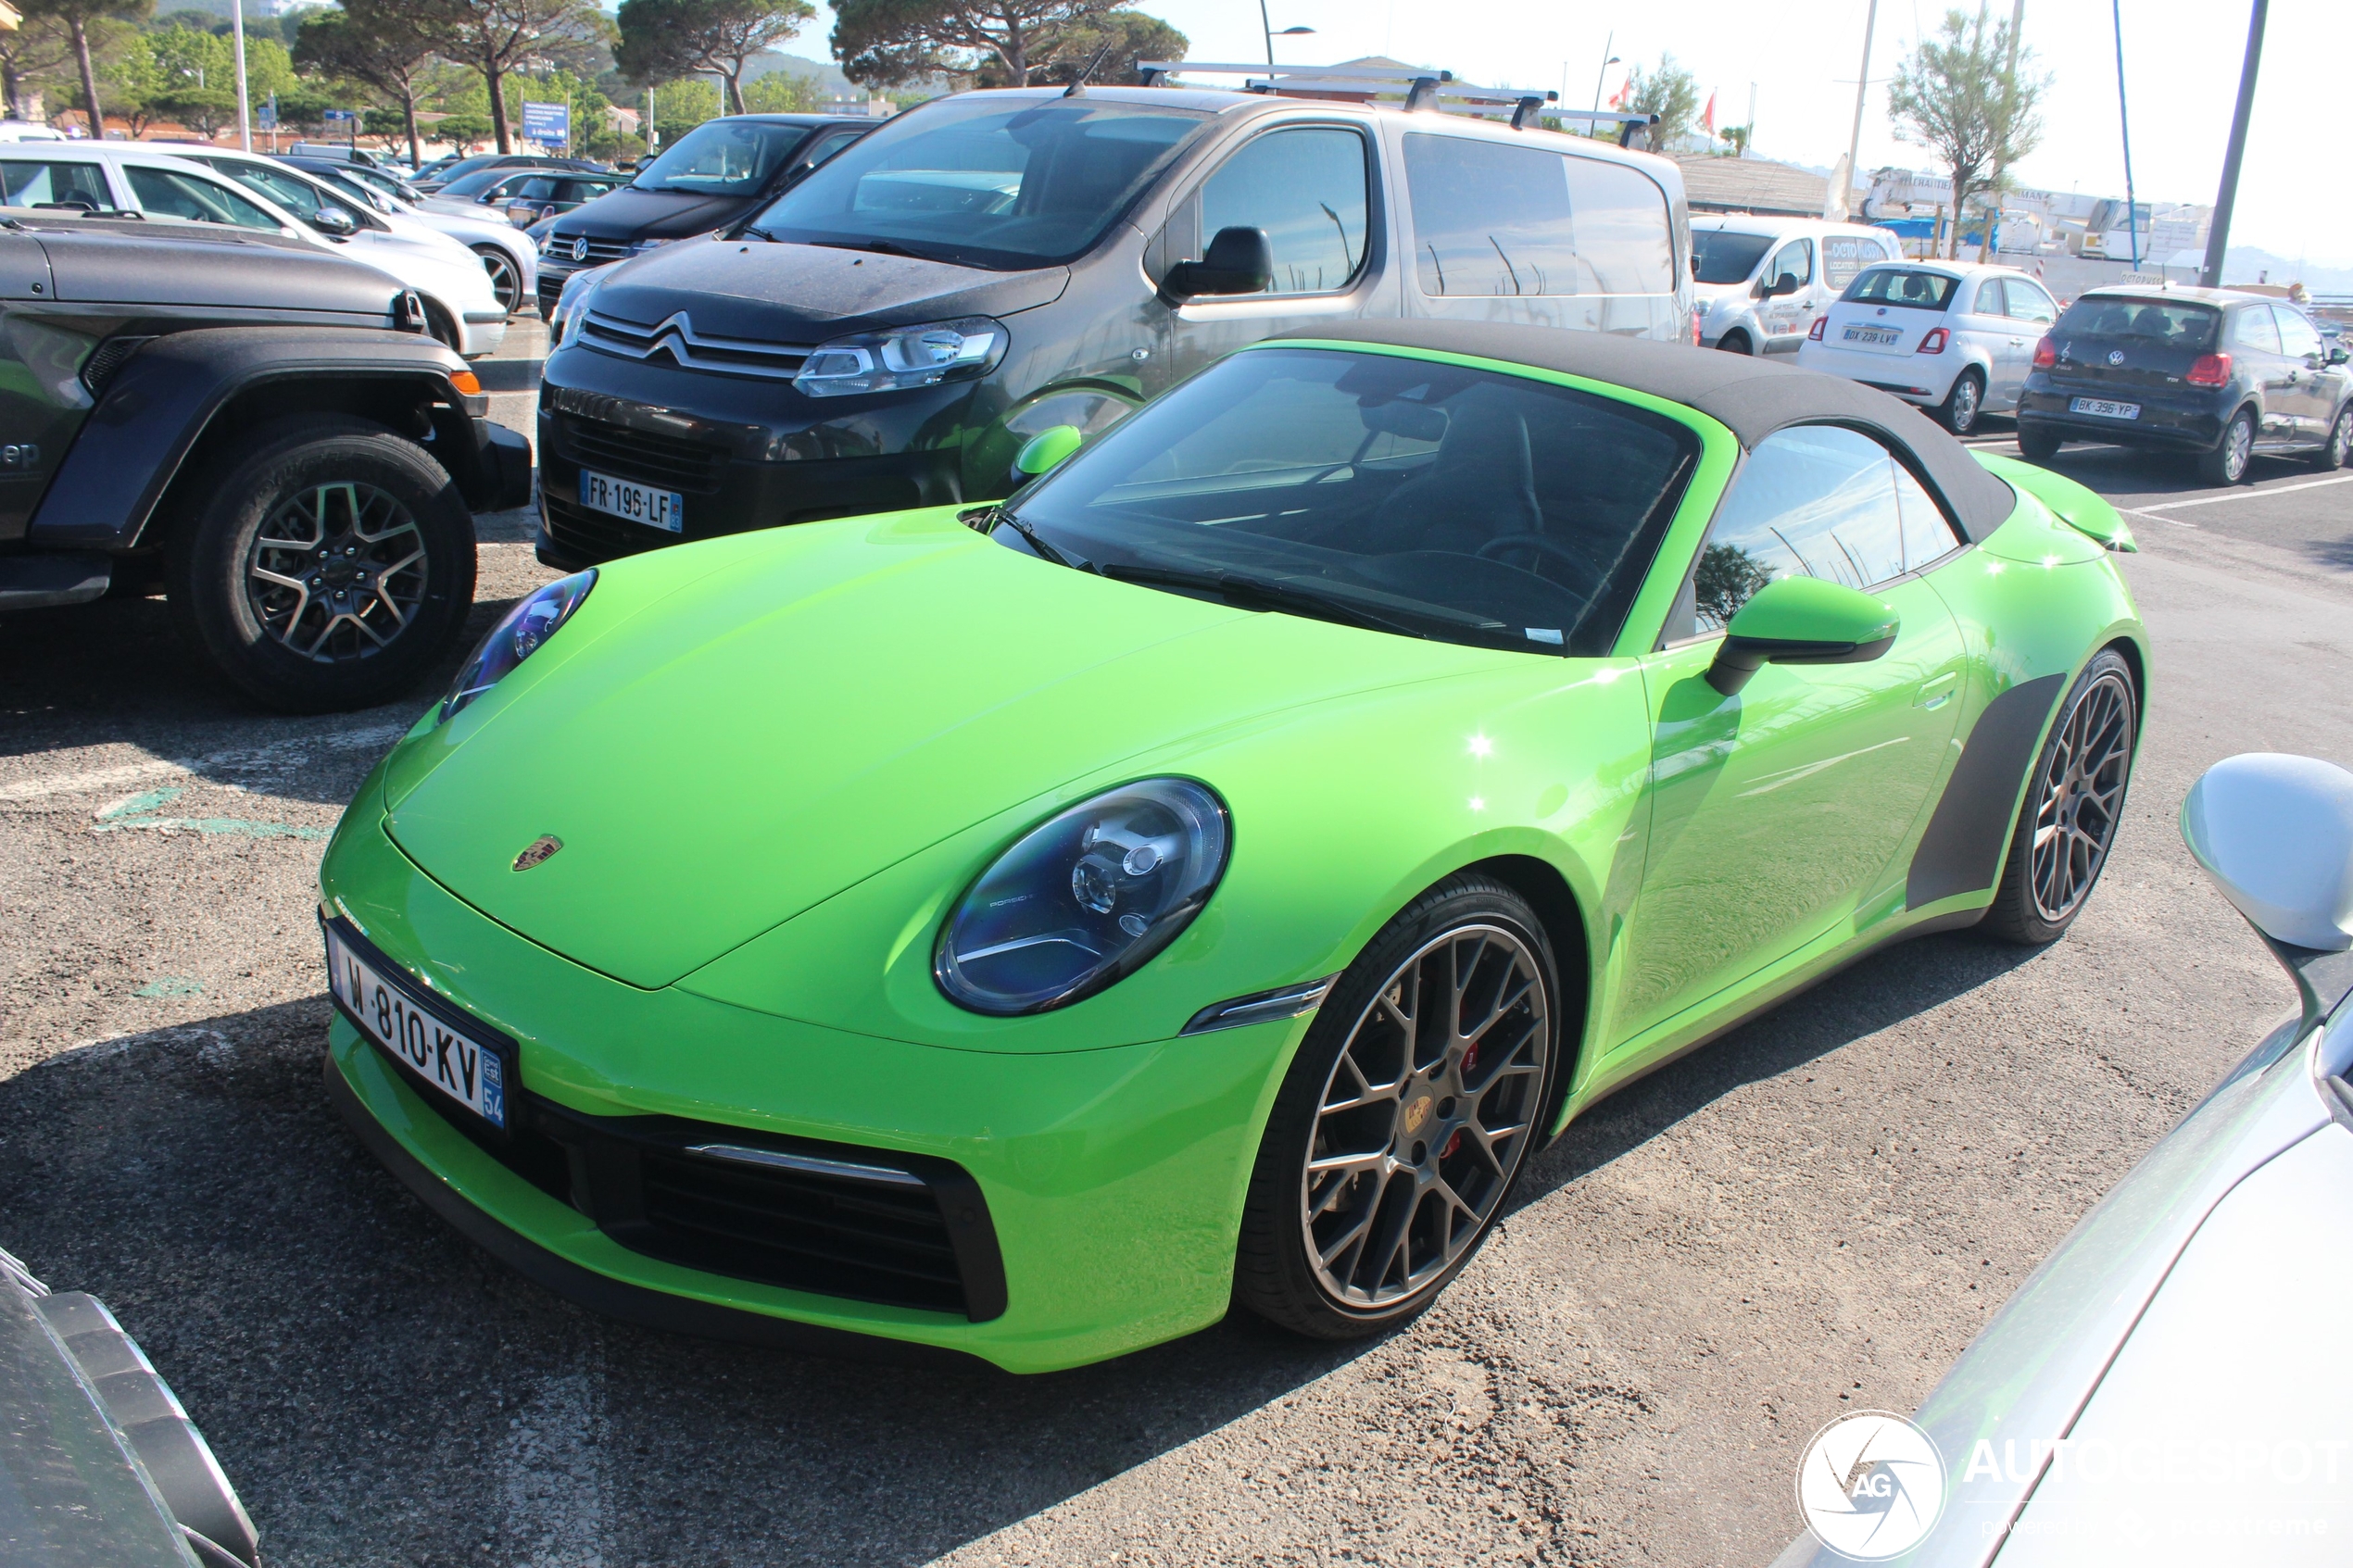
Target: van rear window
{"points": [[2162, 322], [1901, 285], [1491, 217]]}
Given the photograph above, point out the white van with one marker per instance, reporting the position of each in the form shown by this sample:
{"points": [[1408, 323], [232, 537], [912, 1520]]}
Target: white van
{"points": [[1763, 281], [26, 131]]}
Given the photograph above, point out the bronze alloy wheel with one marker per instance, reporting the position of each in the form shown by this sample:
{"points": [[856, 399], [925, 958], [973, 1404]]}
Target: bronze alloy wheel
{"points": [[2079, 794], [336, 571], [1425, 1117]]}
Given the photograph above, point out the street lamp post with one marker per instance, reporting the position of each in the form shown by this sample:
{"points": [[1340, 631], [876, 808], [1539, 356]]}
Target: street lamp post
{"points": [[1267, 28], [2218, 238], [244, 116], [1608, 60]]}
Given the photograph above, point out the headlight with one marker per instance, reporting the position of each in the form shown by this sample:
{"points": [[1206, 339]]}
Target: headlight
{"points": [[563, 325], [524, 633], [1084, 900], [903, 357]]}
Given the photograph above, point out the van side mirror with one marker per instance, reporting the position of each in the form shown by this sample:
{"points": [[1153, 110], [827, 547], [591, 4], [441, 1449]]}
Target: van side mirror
{"points": [[2337, 355], [1238, 261], [1786, 283], [1802, 620]]}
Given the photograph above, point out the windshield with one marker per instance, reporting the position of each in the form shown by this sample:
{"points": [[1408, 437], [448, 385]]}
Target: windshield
{"points": [[985, 182], [1901, 285], [722, 157], [1419, 498], [481, 180], [2175, 326], [1719, 256]]}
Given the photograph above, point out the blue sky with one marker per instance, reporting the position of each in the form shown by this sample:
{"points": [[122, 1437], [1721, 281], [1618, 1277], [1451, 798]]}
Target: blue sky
{"points": [[2182, 61]]}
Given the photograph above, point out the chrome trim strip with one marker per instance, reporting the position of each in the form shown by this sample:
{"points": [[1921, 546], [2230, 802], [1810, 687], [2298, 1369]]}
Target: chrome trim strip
{"points": [[609, 334], [807, 1164], [1285, 1001]]}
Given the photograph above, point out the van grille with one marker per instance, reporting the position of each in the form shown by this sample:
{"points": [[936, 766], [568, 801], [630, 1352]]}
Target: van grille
{"points": [[669, 462], [677, 340], [559, 248]]}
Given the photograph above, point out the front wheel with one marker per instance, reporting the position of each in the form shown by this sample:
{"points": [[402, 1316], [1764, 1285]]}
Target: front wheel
{"points": [[2333, 452], [1959, 412], [2227, 463], [1406, 1117], [505, 281], [1735, 343], [2035, 444], [2073, 803], [321, 564]]}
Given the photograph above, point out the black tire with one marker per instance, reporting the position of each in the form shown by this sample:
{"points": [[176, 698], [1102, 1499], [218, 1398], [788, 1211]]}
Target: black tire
{"points": [[1735, 343], [2035, 444], [288, 493], [2055, 862], [2334, 451], [2230, 458], [506, 282], [1463, 1089], [443, 328], [1963, 404]]}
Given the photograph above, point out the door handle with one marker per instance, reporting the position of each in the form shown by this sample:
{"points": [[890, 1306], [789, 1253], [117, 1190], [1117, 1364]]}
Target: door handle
{"points": [[1937, 690]]}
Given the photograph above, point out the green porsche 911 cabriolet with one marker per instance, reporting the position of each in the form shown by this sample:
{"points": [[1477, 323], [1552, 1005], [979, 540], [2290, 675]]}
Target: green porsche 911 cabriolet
{"points": [[1208, 876]]}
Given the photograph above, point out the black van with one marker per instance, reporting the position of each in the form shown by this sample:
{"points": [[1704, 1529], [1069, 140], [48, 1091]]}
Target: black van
{"points": [[891, 330], [706, 180]]}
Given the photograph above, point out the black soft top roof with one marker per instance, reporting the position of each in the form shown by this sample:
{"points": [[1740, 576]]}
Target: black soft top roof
{"points": [[1751, 398]]}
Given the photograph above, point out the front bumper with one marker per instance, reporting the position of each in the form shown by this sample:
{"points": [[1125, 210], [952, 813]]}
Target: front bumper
{"points": [[1112, 1179], [742, 452], [481, 332], [2171, 420]]}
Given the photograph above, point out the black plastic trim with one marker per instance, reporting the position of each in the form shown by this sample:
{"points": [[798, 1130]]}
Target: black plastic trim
{"points": [[1961, 850], [616, 1299]]}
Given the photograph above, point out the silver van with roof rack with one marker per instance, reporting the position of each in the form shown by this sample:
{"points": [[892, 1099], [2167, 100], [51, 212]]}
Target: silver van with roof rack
{"points": [[892, 330]]}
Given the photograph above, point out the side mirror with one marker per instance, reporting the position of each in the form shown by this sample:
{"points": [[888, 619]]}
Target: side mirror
{"points": [[1802, 620], [334, 221], [1046, 451], [2337, 355], [1239, 261], [2275, 833]]}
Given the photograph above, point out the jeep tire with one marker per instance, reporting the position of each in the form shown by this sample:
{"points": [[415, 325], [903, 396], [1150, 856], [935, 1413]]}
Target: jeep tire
{"points": [[320, 563]]}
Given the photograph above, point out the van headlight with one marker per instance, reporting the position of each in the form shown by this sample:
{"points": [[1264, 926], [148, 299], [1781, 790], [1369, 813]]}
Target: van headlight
{"points": [[524, 633], [903, 357], [1084, 900]]}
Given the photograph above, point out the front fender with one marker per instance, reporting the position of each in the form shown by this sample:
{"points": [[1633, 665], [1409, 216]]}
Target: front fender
{"points": [[167, 395]]}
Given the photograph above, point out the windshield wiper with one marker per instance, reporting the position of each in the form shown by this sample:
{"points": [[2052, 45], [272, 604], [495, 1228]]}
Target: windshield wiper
{"points": [[880, 247], [988, 519], [1246, 591]]}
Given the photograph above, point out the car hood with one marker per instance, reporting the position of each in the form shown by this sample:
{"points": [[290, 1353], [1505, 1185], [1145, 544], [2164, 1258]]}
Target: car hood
{"points": [[728, 733], [461, 221], [763, 291], [632, 214]]}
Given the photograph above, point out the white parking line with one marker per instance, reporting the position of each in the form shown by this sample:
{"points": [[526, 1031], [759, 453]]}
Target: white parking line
{"points": [[2250, 494], [273, 757]]}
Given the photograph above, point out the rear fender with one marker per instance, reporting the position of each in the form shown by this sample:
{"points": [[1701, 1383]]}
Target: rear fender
{"points": [[183, 390]]}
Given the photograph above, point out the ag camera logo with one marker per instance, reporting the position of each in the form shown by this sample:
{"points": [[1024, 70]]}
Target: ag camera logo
{"points": [[1871, 1486]]}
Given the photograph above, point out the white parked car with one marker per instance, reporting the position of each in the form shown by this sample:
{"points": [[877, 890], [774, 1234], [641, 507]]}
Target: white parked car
{"points": [[1957, 339], [2166, 1389], [509, 258], [1763, 281], [26, 131], [131, 177]]}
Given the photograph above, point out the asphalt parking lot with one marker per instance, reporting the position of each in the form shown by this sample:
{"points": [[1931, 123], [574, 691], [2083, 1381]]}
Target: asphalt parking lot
{"points": [[1813, 1215]]}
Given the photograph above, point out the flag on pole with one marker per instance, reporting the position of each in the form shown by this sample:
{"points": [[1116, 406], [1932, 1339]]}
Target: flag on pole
{"points": [[1617, 99], [1708, 119]]}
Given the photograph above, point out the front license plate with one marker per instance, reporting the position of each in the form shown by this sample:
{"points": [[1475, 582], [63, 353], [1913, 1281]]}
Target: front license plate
{"points": [[664, 509], [2104, 408], [1879, 335], [388, 1013]]}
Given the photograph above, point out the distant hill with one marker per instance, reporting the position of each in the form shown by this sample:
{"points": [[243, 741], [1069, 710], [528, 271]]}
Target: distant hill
{"points": [[2245, 264]]}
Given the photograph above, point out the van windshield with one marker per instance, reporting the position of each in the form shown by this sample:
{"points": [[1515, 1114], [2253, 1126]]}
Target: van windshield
{"points": [[722, 157], [985, 182], [1719, 256]]}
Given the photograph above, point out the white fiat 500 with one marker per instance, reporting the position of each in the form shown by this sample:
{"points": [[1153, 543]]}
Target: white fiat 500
{"points": [[1957, 339]]}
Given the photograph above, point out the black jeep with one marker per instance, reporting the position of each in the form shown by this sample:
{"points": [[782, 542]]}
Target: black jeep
{"points": [[263, 432]]}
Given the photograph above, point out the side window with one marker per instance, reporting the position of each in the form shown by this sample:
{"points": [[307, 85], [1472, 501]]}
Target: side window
{"points": [[1843, 257], [828, 147], [1812, 501], [305, 201], [2029, 303], [1795, 260], [1306, 189], [2297, 336], [1928, 532], [538, 189], [1990, 299], [76, 184], [2253, 328], [174, 195], [1492, 219]]}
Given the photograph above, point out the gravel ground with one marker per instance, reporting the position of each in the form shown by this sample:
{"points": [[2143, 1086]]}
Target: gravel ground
{"points": [[1812, 1215]]}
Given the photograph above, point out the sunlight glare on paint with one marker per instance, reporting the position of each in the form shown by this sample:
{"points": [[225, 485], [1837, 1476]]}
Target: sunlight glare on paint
{"points": [[1481, 746], [1477, 803]]}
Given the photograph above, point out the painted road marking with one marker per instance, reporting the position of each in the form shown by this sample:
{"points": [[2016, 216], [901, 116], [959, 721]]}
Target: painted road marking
{"points": [[275, 757], [140, 811], [2252, 495]]}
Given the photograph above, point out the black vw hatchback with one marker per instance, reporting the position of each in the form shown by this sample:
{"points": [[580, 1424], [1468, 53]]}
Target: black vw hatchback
{"points": [[2213, 372], [707, 178]]}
